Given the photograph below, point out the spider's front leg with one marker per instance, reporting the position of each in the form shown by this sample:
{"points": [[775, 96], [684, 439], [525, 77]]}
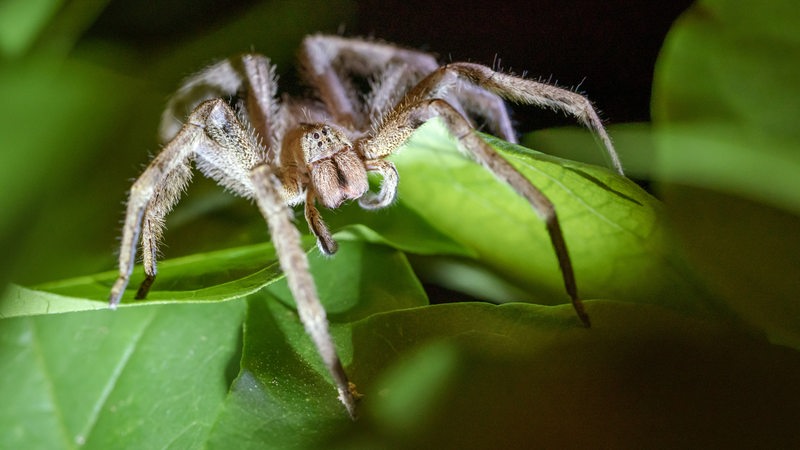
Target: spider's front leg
{"points": [[413, 113], [521, 91], [294, 263]]}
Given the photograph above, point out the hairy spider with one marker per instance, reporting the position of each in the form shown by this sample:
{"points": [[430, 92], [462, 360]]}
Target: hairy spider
{"points": [[284, 152]]}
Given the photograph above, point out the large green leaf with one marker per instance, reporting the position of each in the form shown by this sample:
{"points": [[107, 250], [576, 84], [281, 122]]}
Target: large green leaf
{"points": [[617, 238]]}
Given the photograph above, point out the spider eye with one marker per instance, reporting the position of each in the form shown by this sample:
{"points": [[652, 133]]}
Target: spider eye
{"points": [[316, 136], [319, 143]]}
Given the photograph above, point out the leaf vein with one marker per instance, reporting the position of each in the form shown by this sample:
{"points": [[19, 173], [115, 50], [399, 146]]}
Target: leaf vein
{"points": [[94, 415], [49, 384]]}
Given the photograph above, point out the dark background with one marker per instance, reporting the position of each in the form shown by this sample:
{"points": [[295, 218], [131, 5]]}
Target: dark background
{"points": [[606, 50]]}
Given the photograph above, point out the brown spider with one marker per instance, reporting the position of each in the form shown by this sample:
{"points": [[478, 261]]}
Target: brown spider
{"points": [[282, 153]]}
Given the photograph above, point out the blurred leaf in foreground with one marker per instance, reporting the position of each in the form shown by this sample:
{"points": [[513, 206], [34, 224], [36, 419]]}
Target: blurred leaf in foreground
{"points": [[725, 108]]}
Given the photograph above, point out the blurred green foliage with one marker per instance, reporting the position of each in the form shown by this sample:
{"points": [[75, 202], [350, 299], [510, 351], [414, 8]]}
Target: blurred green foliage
{"points": [[688, 297], [723, 151]]}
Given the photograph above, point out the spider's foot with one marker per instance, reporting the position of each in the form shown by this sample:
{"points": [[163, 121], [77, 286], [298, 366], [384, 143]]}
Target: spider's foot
{"points": [[578, 305], [349, 398], [144, 288], [585, 319], [327, 245], [116, 292]]}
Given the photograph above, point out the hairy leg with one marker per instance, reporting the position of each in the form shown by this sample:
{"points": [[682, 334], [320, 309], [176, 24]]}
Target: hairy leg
{"points": [[330, 61], [168, 193], [222, 149], [249, 75], [401, 124], [174, 158], [294, 263], [521, 91]]}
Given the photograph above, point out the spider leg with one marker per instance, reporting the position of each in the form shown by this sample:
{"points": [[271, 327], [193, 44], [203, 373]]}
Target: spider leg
{"points": [[294, 263], [487, 105], [400, 125], [328, 60], [249, 75], [225, 157], [523, 91], [167, 193], [169, 164]]}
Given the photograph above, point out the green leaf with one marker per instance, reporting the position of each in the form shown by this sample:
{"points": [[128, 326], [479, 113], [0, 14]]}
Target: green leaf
{"points": [[148, 377], [281, 381], [278, 399], [214, 276], [616, 233], [724, 109], [525, 376], [724, 100], [283, 395]]}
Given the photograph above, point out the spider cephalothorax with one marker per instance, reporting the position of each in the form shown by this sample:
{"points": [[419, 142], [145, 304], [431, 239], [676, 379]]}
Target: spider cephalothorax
{"points": [[282, 153]]}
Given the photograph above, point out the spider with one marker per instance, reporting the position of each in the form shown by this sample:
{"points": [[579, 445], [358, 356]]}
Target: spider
{"points": [[287, 151]]}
